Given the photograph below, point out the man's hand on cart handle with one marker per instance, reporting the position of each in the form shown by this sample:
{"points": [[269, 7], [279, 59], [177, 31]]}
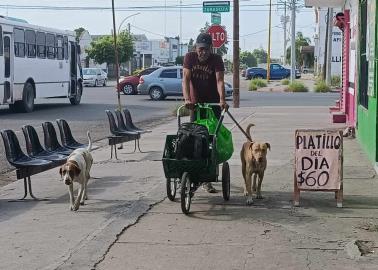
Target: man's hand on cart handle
{"points": [[224, 105], [189, 104]]}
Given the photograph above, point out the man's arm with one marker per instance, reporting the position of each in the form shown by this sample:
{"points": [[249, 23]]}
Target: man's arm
{"points": [[186, 85], [220, 87]]}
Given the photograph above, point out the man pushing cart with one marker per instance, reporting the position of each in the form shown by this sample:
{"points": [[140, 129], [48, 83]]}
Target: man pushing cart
{"points": [[203, 80]]}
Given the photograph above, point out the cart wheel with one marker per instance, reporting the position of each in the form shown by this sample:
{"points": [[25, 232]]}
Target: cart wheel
{"points": [[186, 193], [226, 181], [171, 188]]}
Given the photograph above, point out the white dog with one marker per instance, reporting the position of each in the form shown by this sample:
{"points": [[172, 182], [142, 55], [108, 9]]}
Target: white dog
{"points": [[77, 169]]}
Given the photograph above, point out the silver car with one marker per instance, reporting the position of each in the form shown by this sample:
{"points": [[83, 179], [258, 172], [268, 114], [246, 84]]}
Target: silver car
{"points": [[165, 82], [94, 77]]}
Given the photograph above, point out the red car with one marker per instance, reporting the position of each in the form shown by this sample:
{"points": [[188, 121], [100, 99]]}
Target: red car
{"points": [[129, 84]]}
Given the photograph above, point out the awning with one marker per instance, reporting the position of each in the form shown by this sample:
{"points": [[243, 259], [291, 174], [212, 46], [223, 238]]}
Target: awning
{"points": [[324, 3]]}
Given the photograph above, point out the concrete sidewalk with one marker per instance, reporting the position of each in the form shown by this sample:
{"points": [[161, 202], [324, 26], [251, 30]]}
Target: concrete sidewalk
{"points": [[128, 224]]}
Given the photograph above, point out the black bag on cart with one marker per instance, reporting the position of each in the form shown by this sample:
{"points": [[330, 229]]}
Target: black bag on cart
{"points": [[192, 142]]}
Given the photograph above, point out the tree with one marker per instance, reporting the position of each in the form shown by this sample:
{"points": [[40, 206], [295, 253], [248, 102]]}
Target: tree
{"points": [[300, 40], [223, 49], [261, 55], [191, 45], [248, 59], [179, 60], [78, 33], [102, 50]]}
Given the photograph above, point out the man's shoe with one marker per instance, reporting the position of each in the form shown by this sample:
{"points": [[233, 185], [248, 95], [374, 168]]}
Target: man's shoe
{"points": [[209, 188]]}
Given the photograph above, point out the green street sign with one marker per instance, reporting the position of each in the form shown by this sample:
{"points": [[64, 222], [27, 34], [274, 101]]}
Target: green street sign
{"points": [[216, 6], [215, 18]]}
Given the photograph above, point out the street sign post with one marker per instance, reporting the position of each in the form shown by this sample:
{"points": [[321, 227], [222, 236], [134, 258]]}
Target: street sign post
{"points": [[218, 34], [215, 6], [215, 18]]}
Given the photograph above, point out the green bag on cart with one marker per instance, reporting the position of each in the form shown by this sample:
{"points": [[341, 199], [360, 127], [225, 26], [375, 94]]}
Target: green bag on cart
{"points": [[225, 148]]}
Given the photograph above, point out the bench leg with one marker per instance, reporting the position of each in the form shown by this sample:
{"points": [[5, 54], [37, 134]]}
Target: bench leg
{"points": [[139, 147], [115, 151], [31, 192], [135, 147], [27, 183]]}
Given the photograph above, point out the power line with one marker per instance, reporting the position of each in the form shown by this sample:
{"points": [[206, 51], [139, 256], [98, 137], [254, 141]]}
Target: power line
{"points": [[159, 7], [260, 31], [147, 31]]}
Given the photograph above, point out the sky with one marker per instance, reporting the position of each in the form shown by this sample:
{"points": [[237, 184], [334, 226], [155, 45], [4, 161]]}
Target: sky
{"points": [[159, 18]]}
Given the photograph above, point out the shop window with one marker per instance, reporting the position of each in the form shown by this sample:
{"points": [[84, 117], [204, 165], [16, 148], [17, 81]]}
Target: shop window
{"points": [[364, 62]]}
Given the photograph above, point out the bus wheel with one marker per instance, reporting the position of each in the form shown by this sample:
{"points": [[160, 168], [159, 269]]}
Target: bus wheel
{"points": [[27, 103], [75, 100]]}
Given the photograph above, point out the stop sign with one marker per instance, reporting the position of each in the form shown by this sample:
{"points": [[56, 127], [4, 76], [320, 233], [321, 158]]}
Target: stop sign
{"points": [[218, 34]]}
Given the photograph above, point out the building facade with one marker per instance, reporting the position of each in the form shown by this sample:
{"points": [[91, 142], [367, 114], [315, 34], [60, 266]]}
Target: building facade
{"points": [[359, 96], [320, 43]]}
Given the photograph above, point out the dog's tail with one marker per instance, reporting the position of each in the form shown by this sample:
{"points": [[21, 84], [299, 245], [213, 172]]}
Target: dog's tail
{"points": [[89, 148], [249, 130]]}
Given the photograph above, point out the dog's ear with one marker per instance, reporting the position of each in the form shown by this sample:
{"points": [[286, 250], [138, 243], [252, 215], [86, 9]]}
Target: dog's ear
{"points": [[76, 170], [267, 145]]}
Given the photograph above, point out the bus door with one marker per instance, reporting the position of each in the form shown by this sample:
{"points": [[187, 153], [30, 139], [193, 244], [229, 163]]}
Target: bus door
{"points": [[7, 69], [73, 68]]}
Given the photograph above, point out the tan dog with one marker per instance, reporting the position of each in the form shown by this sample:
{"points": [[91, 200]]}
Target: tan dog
{"points": [[77, 169], [253, 158]]}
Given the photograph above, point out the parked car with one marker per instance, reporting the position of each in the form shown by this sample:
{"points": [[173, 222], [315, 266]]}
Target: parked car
{"points": [[94, 77], [277, 72], [166, 81], [128, 85]]}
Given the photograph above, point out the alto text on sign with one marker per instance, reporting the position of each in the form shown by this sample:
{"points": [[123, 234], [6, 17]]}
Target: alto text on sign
{"points": [[318, 162], [218, 34]]}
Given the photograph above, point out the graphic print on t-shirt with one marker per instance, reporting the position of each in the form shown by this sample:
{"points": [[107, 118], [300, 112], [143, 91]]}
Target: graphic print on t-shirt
{"points": [[202, 72]]}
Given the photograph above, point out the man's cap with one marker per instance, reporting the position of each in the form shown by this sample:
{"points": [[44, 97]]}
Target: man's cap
{"points": [[204, 40]]}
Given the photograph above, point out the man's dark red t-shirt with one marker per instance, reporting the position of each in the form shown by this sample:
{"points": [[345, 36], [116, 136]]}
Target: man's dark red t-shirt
{"points": [[203, 82]]}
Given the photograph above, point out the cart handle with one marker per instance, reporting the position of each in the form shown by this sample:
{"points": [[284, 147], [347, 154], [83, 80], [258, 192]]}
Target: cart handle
{"points": [[178, 114], [198, 104]]}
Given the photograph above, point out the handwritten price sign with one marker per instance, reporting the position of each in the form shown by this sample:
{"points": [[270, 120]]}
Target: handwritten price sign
{"points": [[318, 159]]}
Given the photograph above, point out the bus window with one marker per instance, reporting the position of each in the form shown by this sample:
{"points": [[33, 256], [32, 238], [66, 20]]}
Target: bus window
{"points": [[41, 45], [7, 47], [50, 44], [30, 43], [59, 47], [65, 47], [19, 42], [1, 41]]}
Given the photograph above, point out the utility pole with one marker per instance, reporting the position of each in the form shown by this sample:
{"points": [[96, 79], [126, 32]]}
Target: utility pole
{"points": [[180, 38], [285, 38], [116, 56], [329, 46], [165, 18], [293, 57], [129, 31], [325, 57], [236, 60], [270, 32]]}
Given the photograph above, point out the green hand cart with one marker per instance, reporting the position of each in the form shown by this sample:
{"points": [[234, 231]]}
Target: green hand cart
{"points": [[188, 175]]}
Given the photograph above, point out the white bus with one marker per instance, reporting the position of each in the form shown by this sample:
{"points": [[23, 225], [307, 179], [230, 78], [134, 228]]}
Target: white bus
{"points": [[37, 62]]}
